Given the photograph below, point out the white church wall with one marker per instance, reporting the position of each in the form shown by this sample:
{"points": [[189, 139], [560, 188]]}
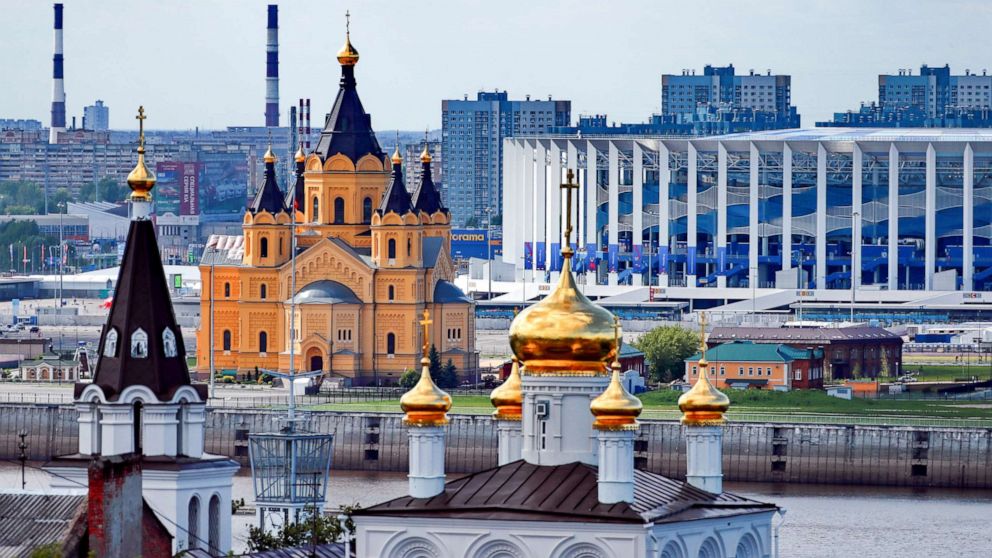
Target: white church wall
{"points": [[751, 534]]}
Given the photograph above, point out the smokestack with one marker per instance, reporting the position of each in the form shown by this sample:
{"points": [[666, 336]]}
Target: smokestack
{"points": [[307, 131], [272, 68], [58, 87]]}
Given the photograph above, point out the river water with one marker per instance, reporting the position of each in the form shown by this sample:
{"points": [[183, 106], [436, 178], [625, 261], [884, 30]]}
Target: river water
{"points": [[821, 521]]}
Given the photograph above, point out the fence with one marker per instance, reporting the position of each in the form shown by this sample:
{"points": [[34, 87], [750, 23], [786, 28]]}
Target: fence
{"points": [[765, 452]]}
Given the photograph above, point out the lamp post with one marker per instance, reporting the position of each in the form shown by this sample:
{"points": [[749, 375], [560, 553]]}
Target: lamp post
{"points": [[489, 250]]}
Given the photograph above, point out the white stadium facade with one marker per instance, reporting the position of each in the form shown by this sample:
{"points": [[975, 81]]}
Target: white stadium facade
{"points": [[718, 220]]}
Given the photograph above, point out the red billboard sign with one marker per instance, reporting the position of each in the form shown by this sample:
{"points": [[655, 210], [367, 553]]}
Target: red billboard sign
{"points": [[189, 200]]}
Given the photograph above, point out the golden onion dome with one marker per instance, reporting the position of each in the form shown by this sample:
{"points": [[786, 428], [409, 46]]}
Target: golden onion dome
{"points": [[565, 333], [300, 155], [141, 179], [348, 55], [703, 405], [269, 156], [425, 404], [508, 397], [396, 158], [425, 156], [615, 408]]}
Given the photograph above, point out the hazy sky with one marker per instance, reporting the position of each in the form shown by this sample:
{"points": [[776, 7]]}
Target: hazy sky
{"points": [[201, 63]]}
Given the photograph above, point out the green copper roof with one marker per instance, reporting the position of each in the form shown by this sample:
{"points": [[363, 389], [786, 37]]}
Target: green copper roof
{"points": [[742, 351]]}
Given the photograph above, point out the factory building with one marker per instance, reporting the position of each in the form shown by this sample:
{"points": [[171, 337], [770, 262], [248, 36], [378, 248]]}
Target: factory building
{"points": [[762, 210]]}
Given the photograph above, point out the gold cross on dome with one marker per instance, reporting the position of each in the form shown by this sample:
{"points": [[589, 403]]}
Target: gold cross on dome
{"points": [[141, 126], [616, 334], [426, 322], [702, 331], [568, 186], [347, 22]]}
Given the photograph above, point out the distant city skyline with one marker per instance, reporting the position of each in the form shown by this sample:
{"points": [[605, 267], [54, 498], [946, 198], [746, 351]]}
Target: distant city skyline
{"points": [[203, 64]]}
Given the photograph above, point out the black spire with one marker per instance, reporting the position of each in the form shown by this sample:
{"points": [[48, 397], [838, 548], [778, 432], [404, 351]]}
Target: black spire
{"points": [[426, 198], [269, 197], [397, 199], [294, 195], [348, 129], [141, 344]]}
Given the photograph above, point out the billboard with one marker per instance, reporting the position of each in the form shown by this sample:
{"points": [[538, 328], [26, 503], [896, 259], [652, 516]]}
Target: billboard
{"points": [[469, 243], [189, 198], [167, 187]]}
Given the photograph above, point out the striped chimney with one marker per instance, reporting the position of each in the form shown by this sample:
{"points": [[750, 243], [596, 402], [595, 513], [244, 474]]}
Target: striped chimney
{"points": [[272, 68], [58, 85]]}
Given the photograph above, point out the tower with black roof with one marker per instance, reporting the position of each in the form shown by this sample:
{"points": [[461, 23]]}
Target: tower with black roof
{"points": [[397, 232], [142, 400], [428, 204], [266, 230]]}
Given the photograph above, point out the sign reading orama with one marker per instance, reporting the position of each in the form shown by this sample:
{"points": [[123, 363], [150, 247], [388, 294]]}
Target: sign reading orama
{"points": [[471, 243], [177, 188]]}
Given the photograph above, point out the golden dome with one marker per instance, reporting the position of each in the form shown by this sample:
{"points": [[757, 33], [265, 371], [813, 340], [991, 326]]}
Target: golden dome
{"points": [[565, 333], [425, 404], [615, 408], [269, 156], [300, 155], [397, 159], [348, 55], [425, 156], [508, 397], [141, 179], [703, 405]]}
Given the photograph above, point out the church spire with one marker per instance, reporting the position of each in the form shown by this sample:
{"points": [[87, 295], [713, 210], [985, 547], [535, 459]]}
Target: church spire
{"points": [[426, 197], [397, 199], [294, 195], [269, 197]]}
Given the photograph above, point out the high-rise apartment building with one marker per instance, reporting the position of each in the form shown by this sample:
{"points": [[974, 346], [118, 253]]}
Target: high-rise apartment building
{"points": [[472, 146], [690, 97], [96, 117]]}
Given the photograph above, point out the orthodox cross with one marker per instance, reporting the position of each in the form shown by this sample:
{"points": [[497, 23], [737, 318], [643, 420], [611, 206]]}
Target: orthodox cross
{"points": [[616, 335], [426, 322], [347, 22], [702, 331], [568, 186], [141, 126]]}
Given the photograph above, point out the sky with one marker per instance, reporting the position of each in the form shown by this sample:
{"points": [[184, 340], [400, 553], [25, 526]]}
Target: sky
{"points": [[202, 63]]}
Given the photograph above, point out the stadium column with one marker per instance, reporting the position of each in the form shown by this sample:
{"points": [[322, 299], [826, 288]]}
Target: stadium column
{"points": [[542, 206], [752, 221], [930, 220], [787, 210], [969, 219], [856, 224], [554, 211], [534, 209], [637, 230], [690, 236], [613, 206], [721, 214], [511, 201], [893, 279], [592, 231], [821, 216], [664, 243]]}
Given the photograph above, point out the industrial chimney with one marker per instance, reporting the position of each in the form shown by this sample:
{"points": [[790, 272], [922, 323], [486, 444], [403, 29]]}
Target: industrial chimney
{"points": [[272, 68], [58, 87]]}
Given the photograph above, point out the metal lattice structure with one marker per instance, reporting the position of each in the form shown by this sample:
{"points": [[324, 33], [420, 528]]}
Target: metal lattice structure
{"points": [[290, 472]]}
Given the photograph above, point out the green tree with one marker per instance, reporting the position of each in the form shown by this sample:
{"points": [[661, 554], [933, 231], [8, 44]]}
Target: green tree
{"points": [[19, 234], [448, 377], [21, 198], [318, 529], [62, 196], [106, 189], [409, 378], [665, 348]]}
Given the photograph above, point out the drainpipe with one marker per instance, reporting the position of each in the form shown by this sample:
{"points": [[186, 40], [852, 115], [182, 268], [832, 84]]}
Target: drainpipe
{"points": [[781, 515]]}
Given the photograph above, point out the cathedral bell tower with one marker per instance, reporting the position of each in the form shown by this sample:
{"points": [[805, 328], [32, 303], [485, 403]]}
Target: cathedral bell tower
{"points": [[267, 222], [427, 202], [397, 233]]}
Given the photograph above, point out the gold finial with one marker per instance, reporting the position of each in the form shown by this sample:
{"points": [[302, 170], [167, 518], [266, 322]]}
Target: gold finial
{"points": [[703, 405], [426, 323], [300, 155], [425, 155], [425, 404], [508, 397], [269, 156], [141, 179], [348, 55], [615, 408], [568, 186], [565, 333], [397, 159]]}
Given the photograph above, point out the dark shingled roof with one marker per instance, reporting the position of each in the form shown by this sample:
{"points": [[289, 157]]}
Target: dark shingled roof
{"points": [[31, 521], [269, 197], [141, 300], [348, 129], [565, 493], [802, 334], [397, 199], [426, 198], [296, 192]]}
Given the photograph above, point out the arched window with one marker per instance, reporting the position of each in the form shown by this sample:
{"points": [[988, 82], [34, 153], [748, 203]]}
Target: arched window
{"points": [[181, 414], [227, 340], [316, 210], [263, 291], [391, 344], [367, 211], [409, 248], [263, 248], [227, 290], [391, 249], [338, 211], [110, 343], [213, 524], [136, 413], [193, 522], [392, 292], [263, 342]]}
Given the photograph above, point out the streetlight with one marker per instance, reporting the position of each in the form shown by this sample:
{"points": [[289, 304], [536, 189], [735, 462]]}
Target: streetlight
{"points": [[489, 250], [855, 246]]}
